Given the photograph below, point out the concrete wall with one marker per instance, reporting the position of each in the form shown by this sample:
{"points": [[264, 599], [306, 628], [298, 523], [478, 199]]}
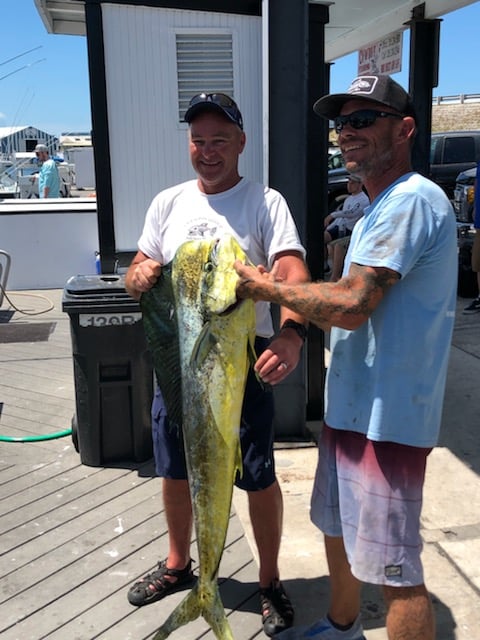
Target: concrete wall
{"points": [[456, 117], [48, 241]]}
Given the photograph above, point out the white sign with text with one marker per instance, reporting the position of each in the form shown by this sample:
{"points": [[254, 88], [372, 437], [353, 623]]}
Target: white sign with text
{"points": [[383, 56]]}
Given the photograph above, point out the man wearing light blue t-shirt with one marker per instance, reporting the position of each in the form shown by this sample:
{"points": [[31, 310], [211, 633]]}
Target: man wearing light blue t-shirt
{"points": [[391, 318], [48, 177]]}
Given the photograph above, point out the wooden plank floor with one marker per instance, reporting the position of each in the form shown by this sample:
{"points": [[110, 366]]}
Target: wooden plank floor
{"points": [[74, 537]]}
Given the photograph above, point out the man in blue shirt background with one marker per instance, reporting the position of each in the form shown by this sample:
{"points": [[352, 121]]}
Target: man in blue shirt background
{"points": [[48, 178]]}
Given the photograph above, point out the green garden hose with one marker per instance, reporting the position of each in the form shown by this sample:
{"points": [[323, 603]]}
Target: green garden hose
{"points": [[48, 436]]}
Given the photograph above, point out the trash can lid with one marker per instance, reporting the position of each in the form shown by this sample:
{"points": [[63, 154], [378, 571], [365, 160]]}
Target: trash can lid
{"points": [[104, 284]]}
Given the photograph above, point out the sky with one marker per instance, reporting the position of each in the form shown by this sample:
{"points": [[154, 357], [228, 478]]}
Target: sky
{"points": [[44, 77]]}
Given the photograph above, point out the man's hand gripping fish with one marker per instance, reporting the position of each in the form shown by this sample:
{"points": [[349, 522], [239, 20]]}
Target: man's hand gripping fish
{"points": [[202, 340]]}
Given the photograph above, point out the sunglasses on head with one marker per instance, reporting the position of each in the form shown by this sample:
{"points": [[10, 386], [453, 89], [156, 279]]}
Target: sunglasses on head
{"points": [[221, 100], [217, 98], [361, 119]]}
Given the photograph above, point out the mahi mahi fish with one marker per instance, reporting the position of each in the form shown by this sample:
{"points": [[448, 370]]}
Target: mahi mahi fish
{"points": [[202, 342]]}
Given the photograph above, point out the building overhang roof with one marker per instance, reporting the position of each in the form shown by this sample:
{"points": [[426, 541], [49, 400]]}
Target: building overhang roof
{"points": [[352, 25]]}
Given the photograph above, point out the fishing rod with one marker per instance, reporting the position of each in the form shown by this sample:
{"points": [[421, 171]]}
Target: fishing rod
{"points": [[21, 68], [20, 55]]}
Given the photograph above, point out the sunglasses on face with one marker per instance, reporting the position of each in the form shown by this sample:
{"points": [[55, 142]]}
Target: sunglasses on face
{"points": [[361, 119]]}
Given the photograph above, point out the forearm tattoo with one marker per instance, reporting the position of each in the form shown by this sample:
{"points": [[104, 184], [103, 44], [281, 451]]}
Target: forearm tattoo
{"points": [[346, 303]]}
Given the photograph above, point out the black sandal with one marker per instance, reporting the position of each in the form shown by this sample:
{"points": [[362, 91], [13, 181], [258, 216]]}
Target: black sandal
{"points": [[277, 610], [154, 586]]}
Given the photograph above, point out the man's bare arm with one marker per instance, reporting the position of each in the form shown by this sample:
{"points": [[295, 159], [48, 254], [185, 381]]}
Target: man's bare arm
{"points": [[141, 275], [346, 303]]}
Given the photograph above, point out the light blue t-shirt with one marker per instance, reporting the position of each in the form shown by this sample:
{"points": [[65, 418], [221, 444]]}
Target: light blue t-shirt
{"points": [[48, 177], [386, 379]]}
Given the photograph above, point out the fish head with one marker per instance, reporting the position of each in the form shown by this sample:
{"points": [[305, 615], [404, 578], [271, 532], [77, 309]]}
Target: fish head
{"points": [[204, 275], [220, 278]]}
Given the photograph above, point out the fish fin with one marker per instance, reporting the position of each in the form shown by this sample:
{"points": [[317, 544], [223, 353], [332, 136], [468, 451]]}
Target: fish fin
{"points": [[251, 353], [239, 461], [252, 358], [218, 621], [202, 346], [161, 332], [189, 609]]}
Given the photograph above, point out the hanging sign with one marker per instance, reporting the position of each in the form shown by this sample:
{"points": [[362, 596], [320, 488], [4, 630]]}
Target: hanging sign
{"points": [[381, 56]]}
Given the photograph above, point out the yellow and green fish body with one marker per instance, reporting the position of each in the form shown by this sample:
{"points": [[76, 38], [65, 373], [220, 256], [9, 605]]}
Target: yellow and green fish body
{"points": [[212, 336]]}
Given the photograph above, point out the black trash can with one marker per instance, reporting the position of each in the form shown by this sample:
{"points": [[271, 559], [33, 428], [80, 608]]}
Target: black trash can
{"points": [[113, 371]]}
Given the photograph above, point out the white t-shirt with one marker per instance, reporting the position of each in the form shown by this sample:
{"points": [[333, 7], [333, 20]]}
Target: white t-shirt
{"points": [[351, 211], [257, 216]]}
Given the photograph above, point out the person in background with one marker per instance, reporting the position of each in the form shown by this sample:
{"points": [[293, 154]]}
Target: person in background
{"points": [[339, 225], [221, 202], [48, 177], [474, 306], [391, 318]]}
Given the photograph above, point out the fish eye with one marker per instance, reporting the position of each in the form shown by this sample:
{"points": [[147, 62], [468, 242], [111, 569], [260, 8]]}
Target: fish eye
{"points": [[212, 262]]}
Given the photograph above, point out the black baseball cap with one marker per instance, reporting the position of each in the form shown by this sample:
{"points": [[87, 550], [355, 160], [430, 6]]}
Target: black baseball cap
{"points": [[219, 102], [376, 88]]}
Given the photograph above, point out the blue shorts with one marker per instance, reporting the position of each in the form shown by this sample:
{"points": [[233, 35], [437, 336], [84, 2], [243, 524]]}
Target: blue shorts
{"points": [[370, 493], [336, 232], [256, 436]]}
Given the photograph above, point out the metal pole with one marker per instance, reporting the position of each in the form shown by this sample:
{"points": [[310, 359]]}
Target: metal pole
{"points": [[424, 54]]}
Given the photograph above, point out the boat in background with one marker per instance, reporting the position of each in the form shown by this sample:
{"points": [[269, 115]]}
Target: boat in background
{"points": [[19, 176], [8, 180]]}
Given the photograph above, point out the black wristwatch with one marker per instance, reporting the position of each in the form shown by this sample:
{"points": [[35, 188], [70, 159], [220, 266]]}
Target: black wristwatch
{"points": [[301, 329]]}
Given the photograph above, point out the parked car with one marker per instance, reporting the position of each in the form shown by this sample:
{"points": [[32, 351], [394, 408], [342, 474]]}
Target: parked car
{"points": [[335, 159], [464, 195], [8, 185], [337, 181], [452, 152]]}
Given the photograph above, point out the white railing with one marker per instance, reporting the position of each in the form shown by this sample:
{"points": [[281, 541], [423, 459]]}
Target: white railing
{"points": [[462, 98]]}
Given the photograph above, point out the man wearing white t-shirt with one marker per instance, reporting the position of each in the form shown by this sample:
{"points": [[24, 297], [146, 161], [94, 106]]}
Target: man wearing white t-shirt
{"points": [[339, 224], [221, 202]]}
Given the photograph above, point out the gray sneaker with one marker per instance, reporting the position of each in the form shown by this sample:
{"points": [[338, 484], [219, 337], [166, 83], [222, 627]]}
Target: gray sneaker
{"points": [[323, 630]]}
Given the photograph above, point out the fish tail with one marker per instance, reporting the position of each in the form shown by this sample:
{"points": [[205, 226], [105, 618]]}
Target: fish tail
{"points": [[216, 618], [196, 603], [189, 609]]}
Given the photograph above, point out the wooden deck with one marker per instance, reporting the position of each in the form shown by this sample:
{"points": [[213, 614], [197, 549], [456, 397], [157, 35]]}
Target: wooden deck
{"points": [[74, 537]]}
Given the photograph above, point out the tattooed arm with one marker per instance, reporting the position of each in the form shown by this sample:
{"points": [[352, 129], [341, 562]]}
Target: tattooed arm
{"points": [[346, 303]]}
